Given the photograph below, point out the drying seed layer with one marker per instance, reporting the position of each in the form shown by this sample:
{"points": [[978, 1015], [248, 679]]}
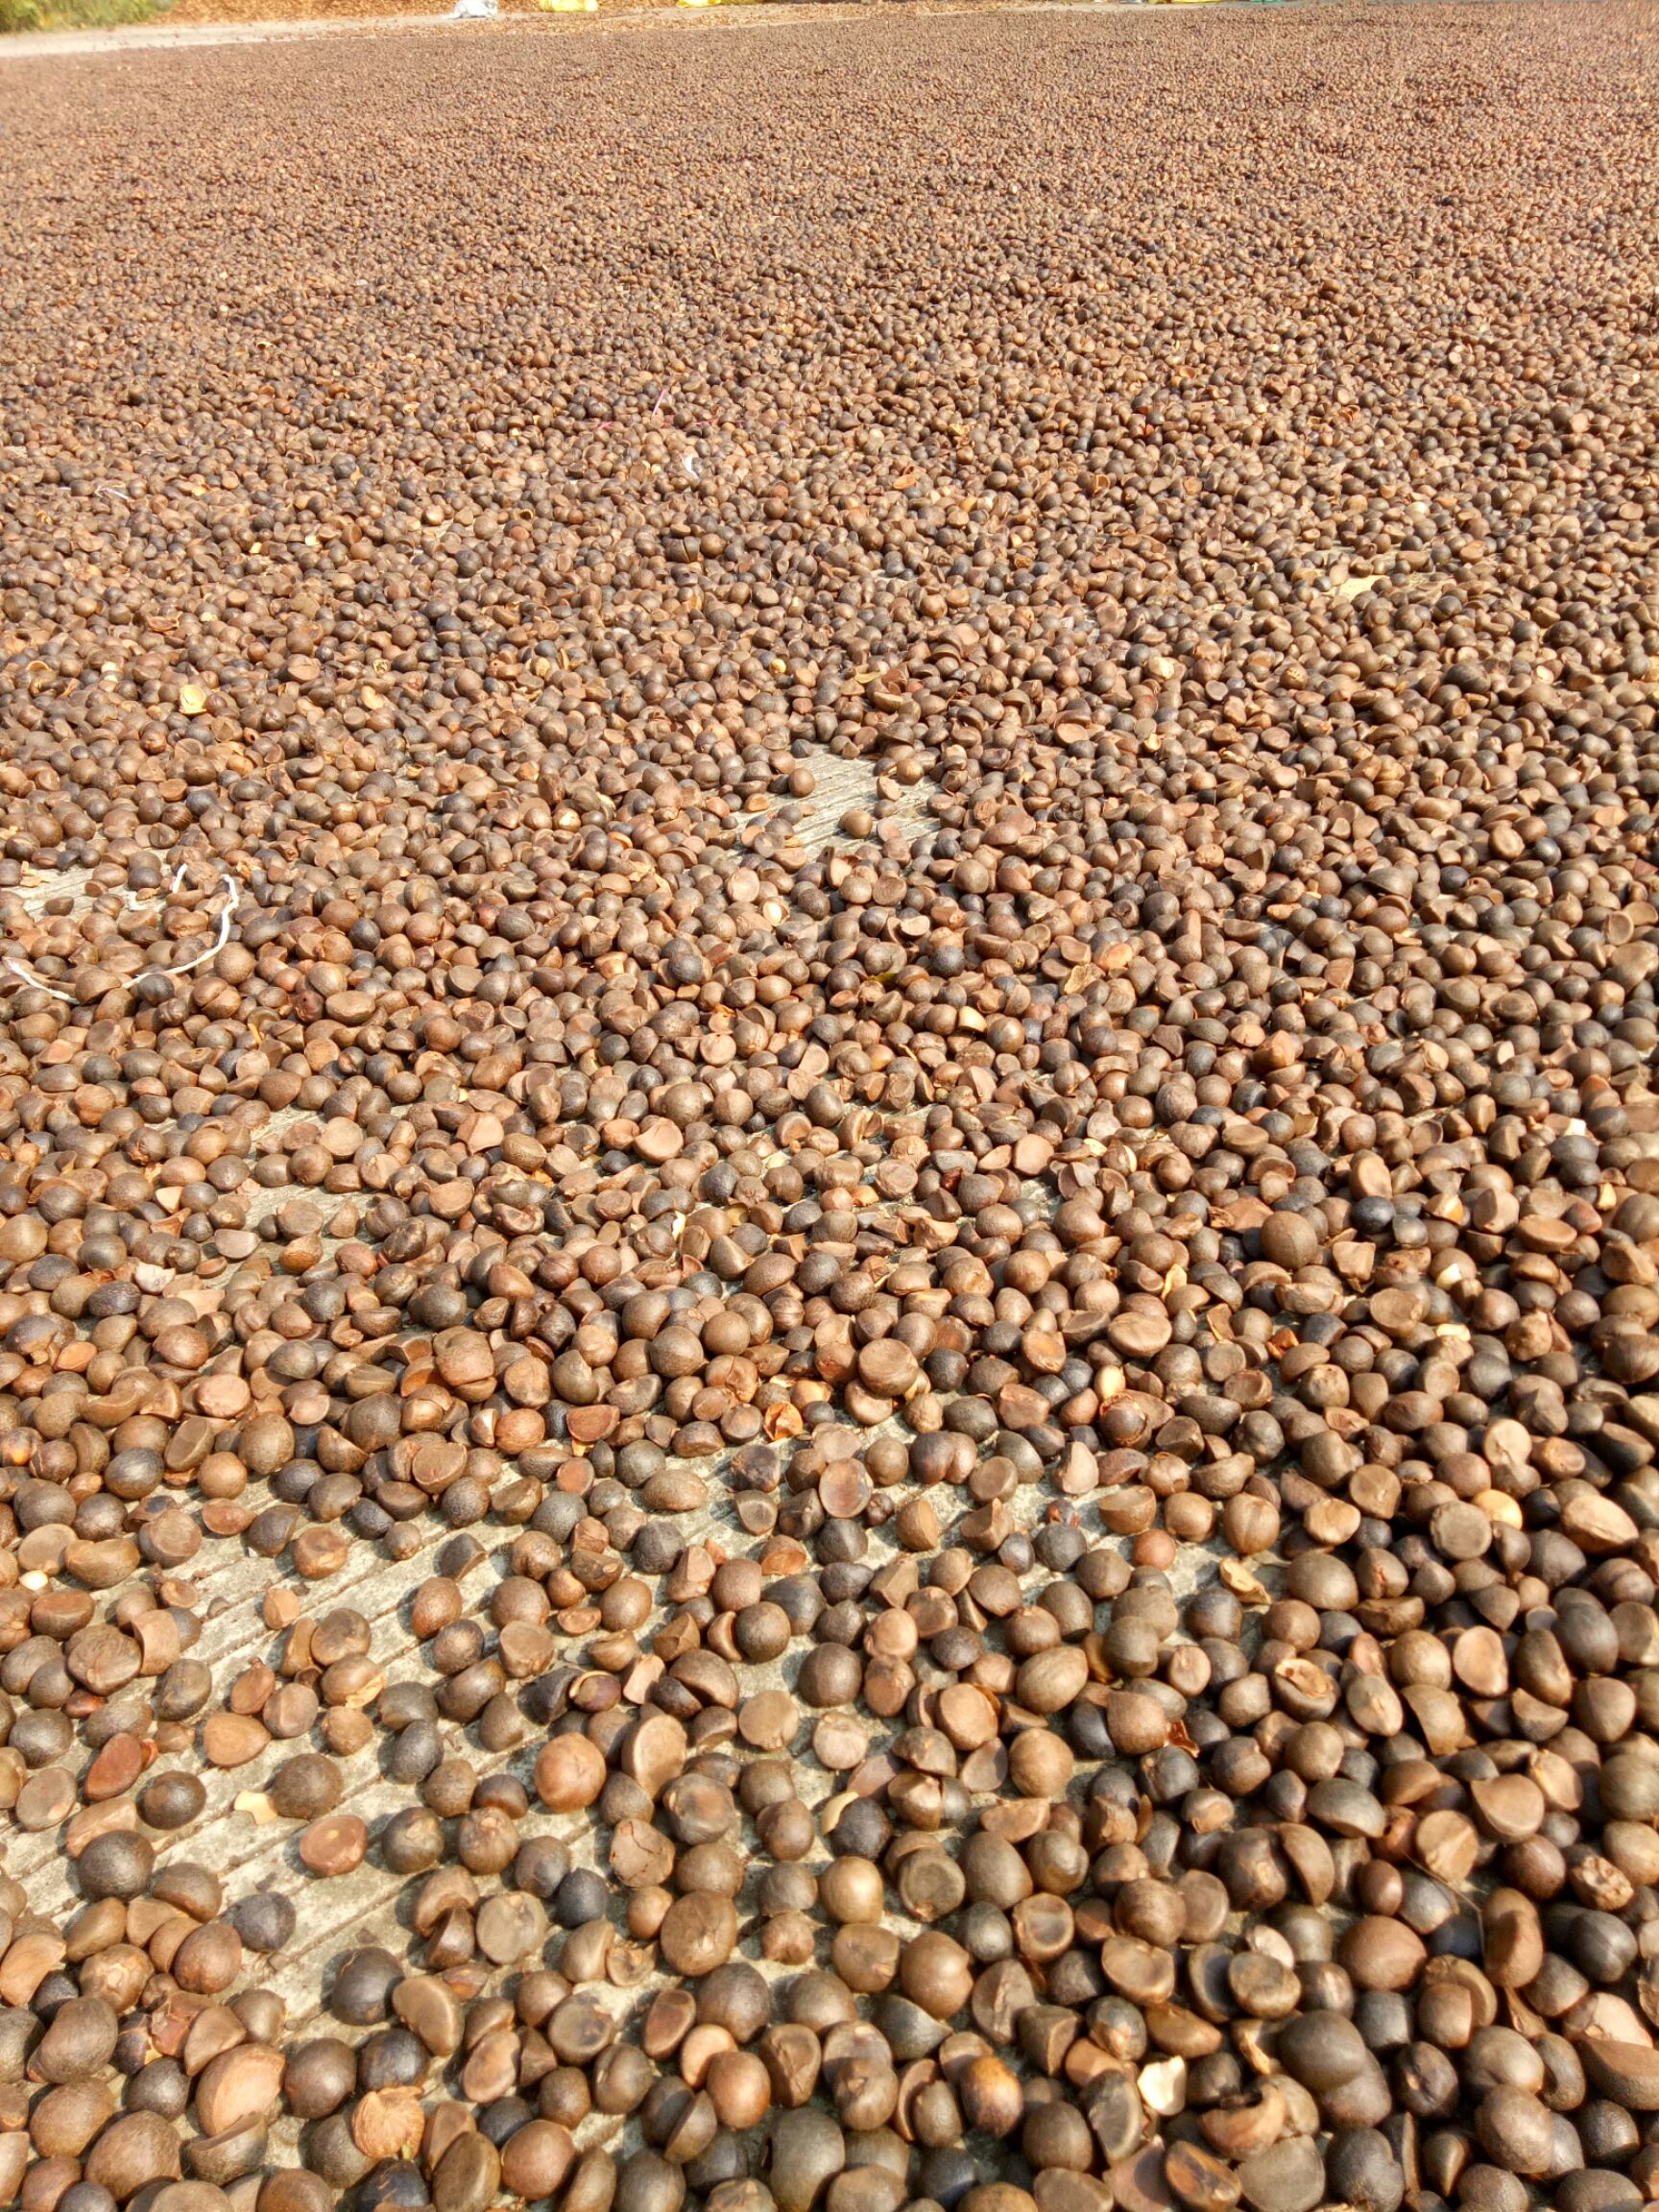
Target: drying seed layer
{"points": [[828, 1174]]}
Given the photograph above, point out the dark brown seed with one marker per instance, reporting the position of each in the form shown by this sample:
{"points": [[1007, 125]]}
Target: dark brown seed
{"points": [[78, 2043], [135, 2149]]}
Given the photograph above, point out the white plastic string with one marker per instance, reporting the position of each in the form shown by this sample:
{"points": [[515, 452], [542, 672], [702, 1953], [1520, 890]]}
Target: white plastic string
{"points": [[182, 968]]}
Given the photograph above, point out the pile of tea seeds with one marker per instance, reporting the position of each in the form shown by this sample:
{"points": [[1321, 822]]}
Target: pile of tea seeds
{"points": [[829, 1164]]}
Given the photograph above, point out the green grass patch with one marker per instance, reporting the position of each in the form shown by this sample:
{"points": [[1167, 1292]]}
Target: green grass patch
{"points": [[75, 14]]}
